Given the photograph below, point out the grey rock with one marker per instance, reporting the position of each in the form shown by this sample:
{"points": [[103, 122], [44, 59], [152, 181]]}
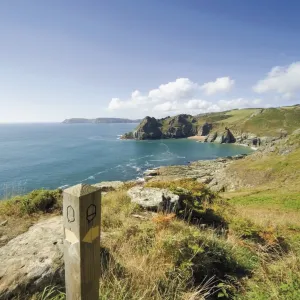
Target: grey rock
{"points": [[211, 137], [205, 129], [108, 186], [151, 172], [32, 260], [205, 179], [149, 128], [219, 139], [153, 198], [4, 223]]}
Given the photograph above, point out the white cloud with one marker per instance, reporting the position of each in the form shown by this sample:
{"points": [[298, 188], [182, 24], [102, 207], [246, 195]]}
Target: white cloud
{"points": [[180, 96], [282, 80], [208, 106], [238, 103], [222, 84], [116, 103], [166, 106], [198, 104], [178, 90], [181, 88]]}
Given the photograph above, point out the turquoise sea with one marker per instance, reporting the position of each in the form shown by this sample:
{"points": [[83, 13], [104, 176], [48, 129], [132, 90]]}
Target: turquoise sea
{"points": [[59, 155]]}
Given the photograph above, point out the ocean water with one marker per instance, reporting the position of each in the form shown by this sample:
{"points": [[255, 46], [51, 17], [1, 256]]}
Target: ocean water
{"points": [[60, 155]]}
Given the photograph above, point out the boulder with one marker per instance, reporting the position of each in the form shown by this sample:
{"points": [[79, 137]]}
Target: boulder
{"points": [[154, 198], [32, 260], [108, 186], [151, 172]]}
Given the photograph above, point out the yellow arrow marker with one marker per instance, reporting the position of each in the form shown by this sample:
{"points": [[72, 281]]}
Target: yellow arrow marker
{"points": [[91, 235], [70, 236]]}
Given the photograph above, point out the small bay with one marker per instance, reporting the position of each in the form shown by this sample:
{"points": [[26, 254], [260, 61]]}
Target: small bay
{"points": [[34, 156]]}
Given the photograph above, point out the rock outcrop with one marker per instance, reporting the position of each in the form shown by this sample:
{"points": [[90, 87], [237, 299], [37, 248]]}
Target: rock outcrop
{"points": [[223, 137], [149, 128], [210, 172], [108, 186], [154, 198], [32, 260], [205, 129], [180, 126]]}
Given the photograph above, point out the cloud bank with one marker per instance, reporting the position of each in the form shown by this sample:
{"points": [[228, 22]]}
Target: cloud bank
{"points": [[186, 96], [222, 84], [175, 96], [284, 81]]}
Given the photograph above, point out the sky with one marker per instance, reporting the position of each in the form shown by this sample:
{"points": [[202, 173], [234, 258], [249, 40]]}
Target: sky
{"points": [[132, 58]]}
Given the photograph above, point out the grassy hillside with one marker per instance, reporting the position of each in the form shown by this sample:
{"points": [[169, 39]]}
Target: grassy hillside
{"points": [[263, 122], [258, 121], [242, 245]]}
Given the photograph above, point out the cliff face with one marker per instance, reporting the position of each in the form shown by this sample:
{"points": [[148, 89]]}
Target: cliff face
{"points": [[149, 128], [253, 127], [180, 126]]}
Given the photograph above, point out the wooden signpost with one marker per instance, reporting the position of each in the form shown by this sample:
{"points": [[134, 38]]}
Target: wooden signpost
{"points": [[81, 220]]}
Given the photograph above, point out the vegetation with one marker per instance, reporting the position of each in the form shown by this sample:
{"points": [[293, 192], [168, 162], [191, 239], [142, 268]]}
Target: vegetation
{"points": [[26, 210], [263, 122], [243, 244]]}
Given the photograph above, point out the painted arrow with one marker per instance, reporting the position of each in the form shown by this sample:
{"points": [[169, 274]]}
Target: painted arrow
{"points": [[91, 235], [70, 236]]}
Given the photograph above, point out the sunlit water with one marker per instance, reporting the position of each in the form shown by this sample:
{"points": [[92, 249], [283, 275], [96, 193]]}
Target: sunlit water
{"points": [[59, 155]]}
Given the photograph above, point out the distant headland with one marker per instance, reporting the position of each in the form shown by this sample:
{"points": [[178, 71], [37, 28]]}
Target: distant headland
{"points": [[99, 120]]}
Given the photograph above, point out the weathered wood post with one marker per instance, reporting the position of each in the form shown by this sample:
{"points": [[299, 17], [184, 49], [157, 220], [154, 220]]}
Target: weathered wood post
{"points": [[81, 214]]}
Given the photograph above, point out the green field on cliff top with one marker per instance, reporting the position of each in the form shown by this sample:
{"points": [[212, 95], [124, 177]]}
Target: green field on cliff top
{"points": [[256, 120]]}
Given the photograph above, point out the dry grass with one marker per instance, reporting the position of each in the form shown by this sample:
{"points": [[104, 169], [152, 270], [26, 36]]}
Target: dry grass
{"points": [[267, 217], [20, 212]]}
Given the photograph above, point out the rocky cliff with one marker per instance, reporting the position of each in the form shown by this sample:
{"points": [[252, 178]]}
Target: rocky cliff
{"points": [[253, 127], [180, 126]]}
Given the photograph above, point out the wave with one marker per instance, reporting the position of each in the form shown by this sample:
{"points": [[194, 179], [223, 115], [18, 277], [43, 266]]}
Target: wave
{"points": [[133, 167], [146, 156], [140, 179], [63, 187], [164, 159]]}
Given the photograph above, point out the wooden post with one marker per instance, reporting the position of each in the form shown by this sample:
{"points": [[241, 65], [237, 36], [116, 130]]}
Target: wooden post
{"points": [[81, 214]]}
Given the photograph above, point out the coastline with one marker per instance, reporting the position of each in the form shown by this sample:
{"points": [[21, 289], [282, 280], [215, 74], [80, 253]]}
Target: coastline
{"points": [[201, 138]]}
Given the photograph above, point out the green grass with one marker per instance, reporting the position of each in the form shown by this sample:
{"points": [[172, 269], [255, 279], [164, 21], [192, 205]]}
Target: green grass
{"points": [[36, 201], [267, 123], [239, 245]]}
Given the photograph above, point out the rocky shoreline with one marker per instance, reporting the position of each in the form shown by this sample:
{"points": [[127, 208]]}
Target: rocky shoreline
{"points": [[209, 172]]}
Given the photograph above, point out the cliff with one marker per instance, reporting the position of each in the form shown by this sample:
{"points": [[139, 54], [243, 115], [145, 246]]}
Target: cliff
{"points": [[253, 127], [180, 126]]}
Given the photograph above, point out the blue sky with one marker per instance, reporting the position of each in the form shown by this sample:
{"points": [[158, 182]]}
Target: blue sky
{"points": [[130, 58]]}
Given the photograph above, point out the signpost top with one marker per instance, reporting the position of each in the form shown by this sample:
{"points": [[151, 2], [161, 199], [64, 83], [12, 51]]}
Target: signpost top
{"points": [[81, 189]]}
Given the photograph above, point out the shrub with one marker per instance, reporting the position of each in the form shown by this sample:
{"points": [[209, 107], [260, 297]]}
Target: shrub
{"points": [[37, 201]]}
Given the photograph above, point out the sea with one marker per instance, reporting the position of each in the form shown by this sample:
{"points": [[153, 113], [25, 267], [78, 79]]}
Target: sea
{"points": [[49, 156]]}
